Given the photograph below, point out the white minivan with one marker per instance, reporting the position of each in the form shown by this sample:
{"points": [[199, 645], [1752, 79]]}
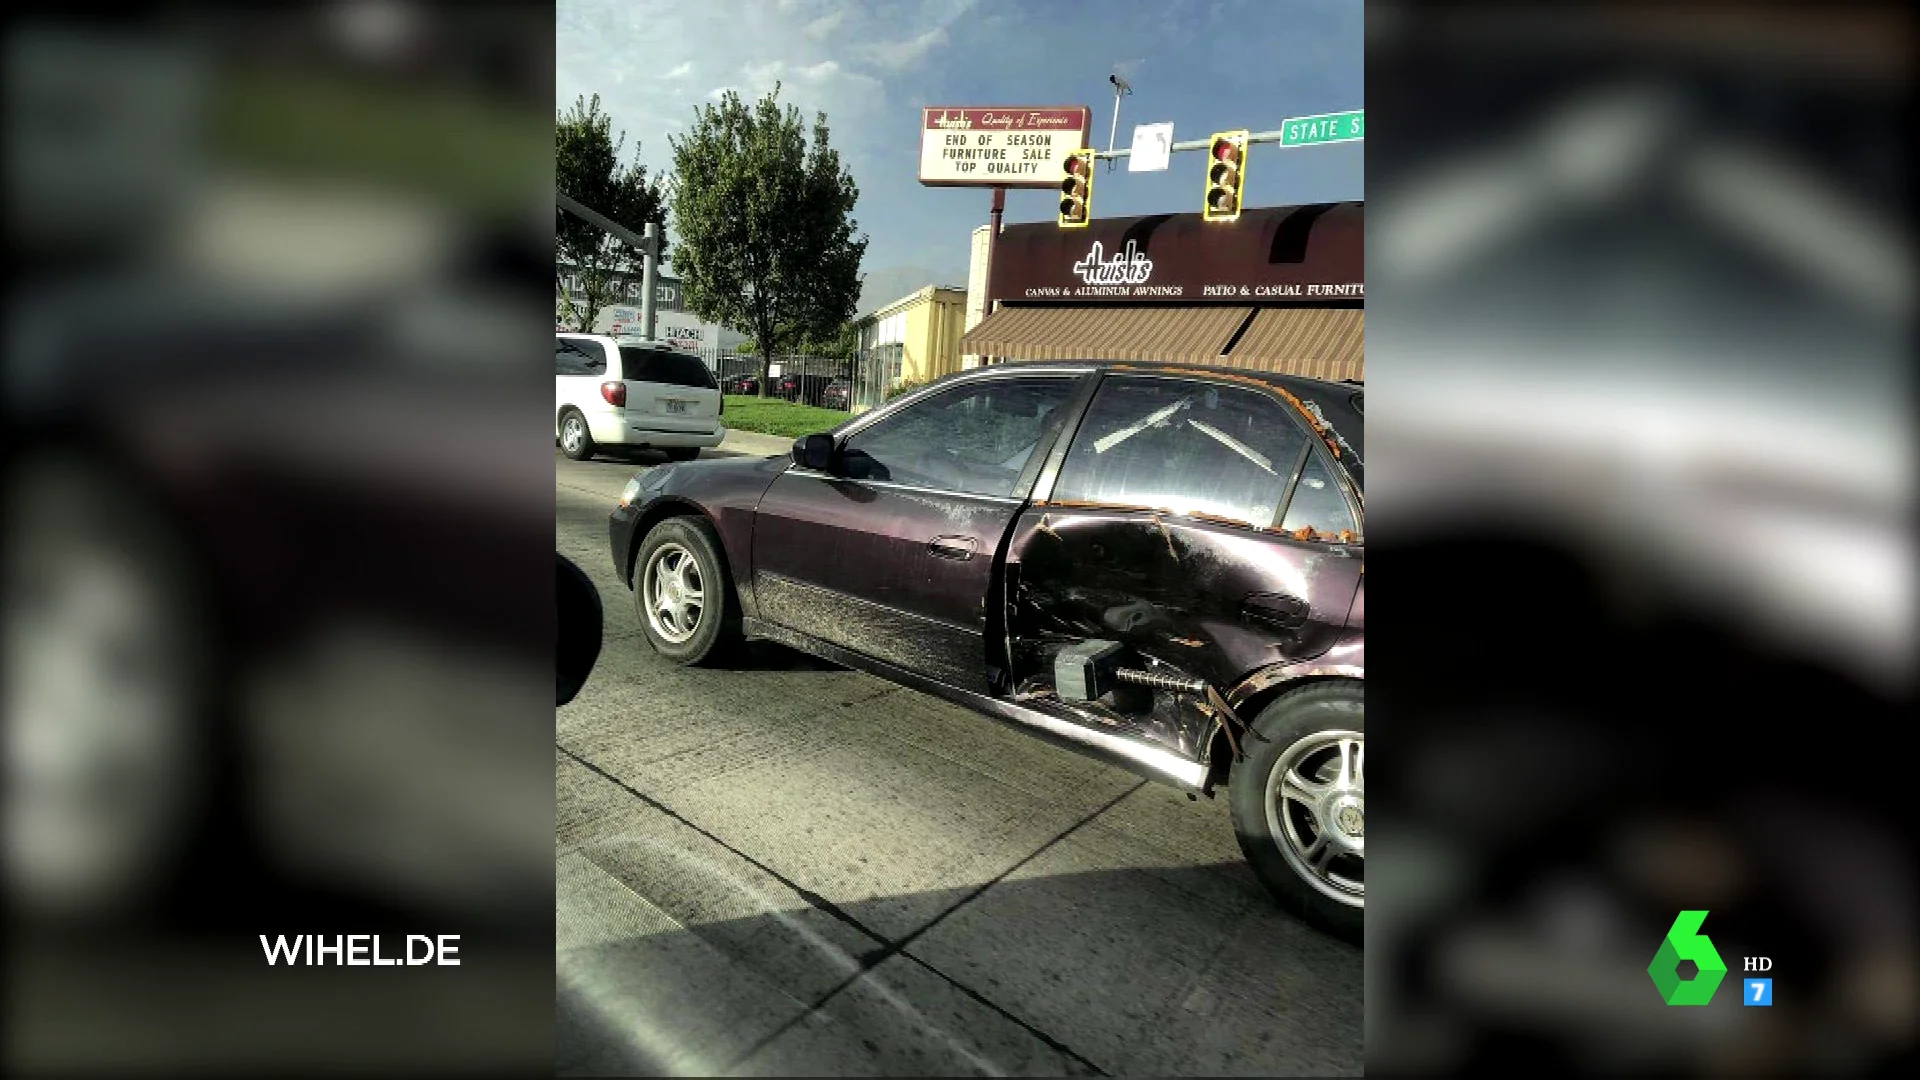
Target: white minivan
{"points": [[633, 392]]}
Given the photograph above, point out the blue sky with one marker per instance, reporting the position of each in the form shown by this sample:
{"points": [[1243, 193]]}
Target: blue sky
{"points": [[872, 64]]}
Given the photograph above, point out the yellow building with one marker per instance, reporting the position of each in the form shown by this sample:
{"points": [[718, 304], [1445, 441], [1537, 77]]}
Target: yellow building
{"points": [[916, 338]]}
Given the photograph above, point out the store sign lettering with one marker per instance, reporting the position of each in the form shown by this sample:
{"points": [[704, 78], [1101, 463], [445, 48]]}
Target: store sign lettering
{"points": [[1128, 268], [623, 289]]}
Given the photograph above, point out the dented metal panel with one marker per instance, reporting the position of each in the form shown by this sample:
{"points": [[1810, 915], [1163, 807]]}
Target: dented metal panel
{"points": [[1172, 589]]}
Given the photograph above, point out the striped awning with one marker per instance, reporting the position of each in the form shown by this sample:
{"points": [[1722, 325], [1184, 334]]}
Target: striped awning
{"points": [[1193, 335], [1319, 343]]}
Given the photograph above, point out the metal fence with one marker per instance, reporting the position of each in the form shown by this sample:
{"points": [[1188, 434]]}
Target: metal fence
{"points": [[821, 381], [853, 384]]}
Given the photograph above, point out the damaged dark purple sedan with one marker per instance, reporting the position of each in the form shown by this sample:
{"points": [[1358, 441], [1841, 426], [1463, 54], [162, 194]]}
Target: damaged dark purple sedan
{"points": [[1159, 566]]}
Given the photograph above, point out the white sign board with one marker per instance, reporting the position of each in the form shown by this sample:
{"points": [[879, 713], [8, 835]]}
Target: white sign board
{"points": [[1152, 146], [1012, 146]]}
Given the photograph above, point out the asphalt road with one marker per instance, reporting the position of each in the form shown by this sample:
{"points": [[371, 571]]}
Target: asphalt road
{"points": [[789, 868]]}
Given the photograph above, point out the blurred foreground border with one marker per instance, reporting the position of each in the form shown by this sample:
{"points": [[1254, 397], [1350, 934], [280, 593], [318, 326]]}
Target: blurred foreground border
{"points": [[1640, 296], [279, 606]]}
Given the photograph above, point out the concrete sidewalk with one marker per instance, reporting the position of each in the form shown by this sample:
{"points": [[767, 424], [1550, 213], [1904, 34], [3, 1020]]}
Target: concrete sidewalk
{"points": [[754, 444]]}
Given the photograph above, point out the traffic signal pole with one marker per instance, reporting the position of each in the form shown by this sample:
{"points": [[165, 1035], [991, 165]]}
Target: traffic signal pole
{"points": [[648, 244], [1203, 144], [649, 270]]}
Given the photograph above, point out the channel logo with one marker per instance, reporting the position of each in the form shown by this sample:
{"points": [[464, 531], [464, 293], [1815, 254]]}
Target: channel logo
{"points": [[1686, 942]]}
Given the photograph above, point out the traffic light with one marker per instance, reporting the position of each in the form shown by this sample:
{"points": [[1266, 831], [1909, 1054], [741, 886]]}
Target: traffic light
{"points": [[1226, 176], [1076, 190]]}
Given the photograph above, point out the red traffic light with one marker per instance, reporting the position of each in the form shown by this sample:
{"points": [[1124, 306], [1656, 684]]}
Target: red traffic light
{"points": [[1226, 177], [1076, 189]]}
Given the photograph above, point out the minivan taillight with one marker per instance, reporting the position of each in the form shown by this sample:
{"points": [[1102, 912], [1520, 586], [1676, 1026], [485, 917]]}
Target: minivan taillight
{"points": [[615, 393]]}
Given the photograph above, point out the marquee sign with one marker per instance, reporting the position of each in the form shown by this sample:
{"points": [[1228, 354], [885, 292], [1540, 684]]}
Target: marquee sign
{"points": [[1003, 146]]}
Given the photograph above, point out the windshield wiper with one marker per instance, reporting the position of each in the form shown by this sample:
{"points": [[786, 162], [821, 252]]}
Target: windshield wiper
{"points": [[1232, 444], [1113, 439]]}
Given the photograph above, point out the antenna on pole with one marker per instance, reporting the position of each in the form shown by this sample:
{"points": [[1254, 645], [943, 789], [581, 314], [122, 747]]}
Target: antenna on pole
{"points": [[1121, 88]]}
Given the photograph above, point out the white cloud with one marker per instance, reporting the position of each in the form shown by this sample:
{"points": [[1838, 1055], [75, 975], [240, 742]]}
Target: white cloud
{"points": [[899, 54], [896, 55], [811, 76], [719, 92], [825, 24], [681, 72]]}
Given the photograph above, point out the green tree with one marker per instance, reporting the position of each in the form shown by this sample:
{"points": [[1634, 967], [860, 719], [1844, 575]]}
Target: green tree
{"points": [[840, 343], [765, 225], [587, 168]]}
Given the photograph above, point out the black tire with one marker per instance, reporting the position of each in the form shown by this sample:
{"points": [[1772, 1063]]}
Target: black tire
{"points": [[583, 448], [1308, 731], [682, 453], [717, 623]]}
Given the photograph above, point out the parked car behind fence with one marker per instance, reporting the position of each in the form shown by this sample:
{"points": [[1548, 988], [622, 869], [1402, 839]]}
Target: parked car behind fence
{"points": [[802, 379]]}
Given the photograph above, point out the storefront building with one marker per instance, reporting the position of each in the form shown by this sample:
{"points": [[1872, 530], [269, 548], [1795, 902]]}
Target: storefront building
{"points": [[671, 321], [916, 338], [976, 288], [1281, 289]]}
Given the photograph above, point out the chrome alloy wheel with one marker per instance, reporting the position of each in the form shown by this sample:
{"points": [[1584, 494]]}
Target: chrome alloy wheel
{"points": [[673, 592], [1317, 811], [573, 434]]}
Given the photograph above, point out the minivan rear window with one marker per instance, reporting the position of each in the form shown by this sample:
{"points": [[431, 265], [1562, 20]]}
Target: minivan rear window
{"points": [[641, 364]]}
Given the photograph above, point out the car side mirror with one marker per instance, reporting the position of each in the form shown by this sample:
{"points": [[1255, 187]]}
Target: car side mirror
{"points": [[813, 452]]}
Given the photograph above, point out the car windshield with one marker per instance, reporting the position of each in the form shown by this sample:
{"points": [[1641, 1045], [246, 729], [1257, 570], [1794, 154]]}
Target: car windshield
{"points": [[642, 364]]}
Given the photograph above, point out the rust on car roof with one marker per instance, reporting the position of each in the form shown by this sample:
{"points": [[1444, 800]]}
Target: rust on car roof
{"points": [[1314, 421]]}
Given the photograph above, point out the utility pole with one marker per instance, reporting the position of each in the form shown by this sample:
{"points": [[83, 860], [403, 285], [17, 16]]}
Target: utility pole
{"points": [[649, 264], [993, 238]]}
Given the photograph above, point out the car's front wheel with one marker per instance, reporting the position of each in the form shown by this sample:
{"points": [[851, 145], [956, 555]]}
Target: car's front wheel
{"points": [[1299, 804], [681, 591]]}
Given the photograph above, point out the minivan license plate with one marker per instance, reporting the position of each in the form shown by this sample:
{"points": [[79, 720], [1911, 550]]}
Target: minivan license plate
{"points": [[676, 406]]}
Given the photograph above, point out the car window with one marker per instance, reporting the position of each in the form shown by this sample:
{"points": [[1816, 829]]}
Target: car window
{"points": [[1318, 503], [975, 438], [1186, 446], [572, 356], [641, 364]]}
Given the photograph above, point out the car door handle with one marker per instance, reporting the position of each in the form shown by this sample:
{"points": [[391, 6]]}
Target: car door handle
{"points": [[1278, 610], [958, 548]]}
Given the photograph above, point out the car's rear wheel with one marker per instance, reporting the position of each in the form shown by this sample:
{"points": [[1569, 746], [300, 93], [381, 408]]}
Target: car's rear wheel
{"points": [[682, 594], [1299, 804], [682, 453], [575, 440]]}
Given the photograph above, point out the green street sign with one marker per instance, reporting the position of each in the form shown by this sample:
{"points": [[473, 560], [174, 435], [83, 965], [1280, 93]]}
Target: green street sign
{"points": [[1325, 128]]}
